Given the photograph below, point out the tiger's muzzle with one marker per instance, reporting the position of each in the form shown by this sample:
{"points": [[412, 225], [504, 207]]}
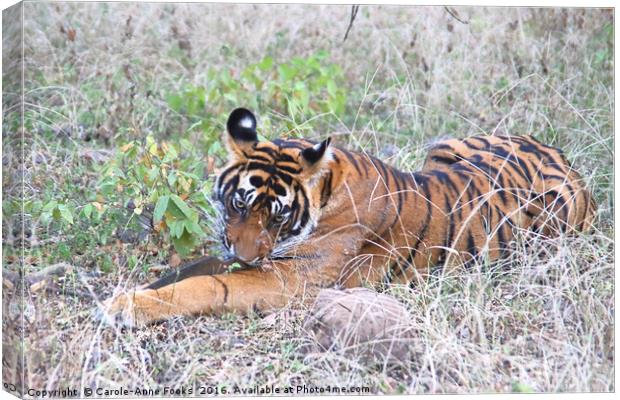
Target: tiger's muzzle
{"points": [[249, 242]]}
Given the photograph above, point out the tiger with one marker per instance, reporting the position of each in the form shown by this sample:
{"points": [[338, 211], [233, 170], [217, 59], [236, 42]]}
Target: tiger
{"points": [[303, 215]]}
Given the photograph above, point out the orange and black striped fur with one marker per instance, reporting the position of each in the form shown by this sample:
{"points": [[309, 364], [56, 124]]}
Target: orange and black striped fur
{"points": [[305, 216]]}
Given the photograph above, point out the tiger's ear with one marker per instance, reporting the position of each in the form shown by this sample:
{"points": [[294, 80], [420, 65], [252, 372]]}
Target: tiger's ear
{"points": [[314, 159], [241, 137]]}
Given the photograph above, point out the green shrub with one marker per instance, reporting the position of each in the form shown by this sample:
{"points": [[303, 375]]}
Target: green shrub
{"points": [[300, 89], [165, 181]]}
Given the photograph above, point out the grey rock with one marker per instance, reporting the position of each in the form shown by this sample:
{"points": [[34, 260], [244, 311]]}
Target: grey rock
{"points": [[359, 323]]}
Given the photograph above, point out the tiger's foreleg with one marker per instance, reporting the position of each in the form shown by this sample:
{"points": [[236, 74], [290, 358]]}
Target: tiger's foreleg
{"points": [[240, 291]]}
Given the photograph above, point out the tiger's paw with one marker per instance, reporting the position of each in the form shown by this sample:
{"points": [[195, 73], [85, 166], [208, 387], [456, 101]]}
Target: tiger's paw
{"points": [[129, 310]]}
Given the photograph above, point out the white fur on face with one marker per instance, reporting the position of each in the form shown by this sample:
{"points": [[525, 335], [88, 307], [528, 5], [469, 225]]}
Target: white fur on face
{"points": [[247, 186], [276, 206]]}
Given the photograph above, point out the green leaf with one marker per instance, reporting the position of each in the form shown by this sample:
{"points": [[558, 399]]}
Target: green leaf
{"points": [[153, 173], [286, 72], [184, 184], [190, 175], [193, 227], [266, 64], [172, 178], [519, 387], [50, 206], [215, 148], [185, 243], [132, 262], [160, 208], [331, 88], [186, 145], [106, 264], [88, 210], [234, 266], [231, 97], [321, 54], [175, 102], [182, 206], [65, 213], [600, 56], [176, 228], [171, 154], [45, 217], [304, 98]]}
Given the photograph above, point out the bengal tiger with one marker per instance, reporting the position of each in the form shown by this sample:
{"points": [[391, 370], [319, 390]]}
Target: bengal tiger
{"points": [[304, 215]]}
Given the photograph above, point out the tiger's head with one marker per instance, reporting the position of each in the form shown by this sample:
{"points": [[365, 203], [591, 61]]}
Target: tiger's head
{"points": [[267, 191]]}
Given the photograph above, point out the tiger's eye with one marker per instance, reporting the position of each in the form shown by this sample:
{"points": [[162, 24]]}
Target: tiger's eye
{"points": [[280, 218], [239, 204]]}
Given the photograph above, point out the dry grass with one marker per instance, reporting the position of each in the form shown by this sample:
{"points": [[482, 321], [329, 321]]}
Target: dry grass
{"points": [[541, 320]]}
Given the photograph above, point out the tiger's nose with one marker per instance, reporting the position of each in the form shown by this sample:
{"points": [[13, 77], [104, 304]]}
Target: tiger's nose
{"points": [[251, 246], [263, 243]]}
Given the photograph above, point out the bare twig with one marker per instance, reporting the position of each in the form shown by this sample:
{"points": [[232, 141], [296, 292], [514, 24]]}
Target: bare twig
{"points": [[354, 10], [455, 14]]}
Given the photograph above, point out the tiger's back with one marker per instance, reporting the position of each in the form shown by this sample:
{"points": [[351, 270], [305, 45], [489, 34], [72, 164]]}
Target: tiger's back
{"points": [[470, 199]]}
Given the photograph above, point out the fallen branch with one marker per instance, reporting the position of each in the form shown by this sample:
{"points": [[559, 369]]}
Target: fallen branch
{"points": [[48, 272], [36, 280]]}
